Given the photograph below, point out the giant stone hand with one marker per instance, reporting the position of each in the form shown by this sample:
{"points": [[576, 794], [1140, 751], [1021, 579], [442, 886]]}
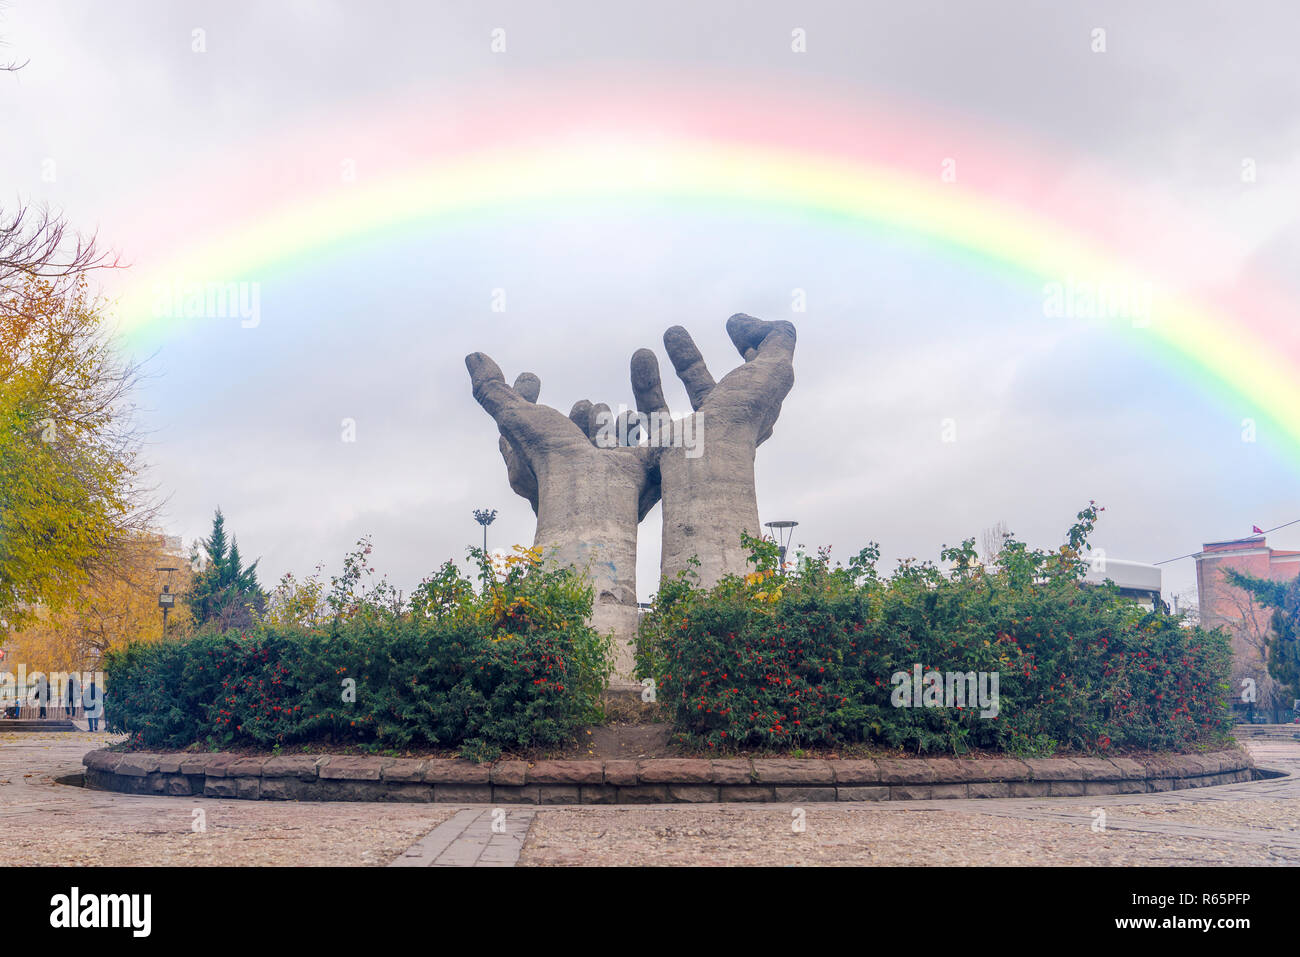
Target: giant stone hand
{"points": [[707, 481], [588, 499]]}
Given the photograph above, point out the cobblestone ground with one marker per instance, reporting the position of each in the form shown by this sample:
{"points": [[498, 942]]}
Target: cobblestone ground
{"points": [[43, 822]]}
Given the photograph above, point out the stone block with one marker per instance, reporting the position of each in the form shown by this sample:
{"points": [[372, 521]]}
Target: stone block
{"points": [[408, 792], [988, 789], [559, 794], [909, 792], [878, 793], [644, 794], [456, 771], [509, 773], [948, 792], [137, 764], [462, 793], [511, 794], [620, 772], [899, 771], [745, 792], [853, 772], [674, 771], [1064, 788], [598, 794], [798, 771], [403, 770], [732, 771], [219, 788], [693, 793], [805, 795], [566, 772]]}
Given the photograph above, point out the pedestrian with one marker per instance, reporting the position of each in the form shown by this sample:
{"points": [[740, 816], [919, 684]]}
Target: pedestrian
{"points": [[71, 697], [42, 693], [94, 707]]}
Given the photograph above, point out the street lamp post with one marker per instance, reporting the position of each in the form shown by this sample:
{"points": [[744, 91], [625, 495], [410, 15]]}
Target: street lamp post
{"points": [[782, 531], [485, 518], [166, 601]]}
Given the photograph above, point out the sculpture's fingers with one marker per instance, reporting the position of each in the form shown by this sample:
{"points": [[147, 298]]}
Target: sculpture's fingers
{"points": [[756, 389], [629, 428], [603, 429], [581, 415], [689, 364], [749, 334], [519, 420], [529, 386], [646, 384]]}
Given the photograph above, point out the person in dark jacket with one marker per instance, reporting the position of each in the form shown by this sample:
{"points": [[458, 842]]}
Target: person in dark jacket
{"points": [[71, 697], [94, 707], [42, 693]]}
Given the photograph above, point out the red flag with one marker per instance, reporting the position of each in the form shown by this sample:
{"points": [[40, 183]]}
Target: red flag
{"points": [[1257, 530]]}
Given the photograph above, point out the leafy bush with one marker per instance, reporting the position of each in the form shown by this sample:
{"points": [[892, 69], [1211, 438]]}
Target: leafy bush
{"points": [[511, 665], [809, 657]]}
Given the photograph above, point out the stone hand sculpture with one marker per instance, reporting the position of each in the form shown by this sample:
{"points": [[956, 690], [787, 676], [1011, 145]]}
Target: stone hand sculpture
{"points": [[589, 500], [708, 483]]}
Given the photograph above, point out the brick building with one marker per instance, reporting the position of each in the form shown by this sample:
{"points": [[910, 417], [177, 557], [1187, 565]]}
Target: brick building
{"points": [[1223, 605]]}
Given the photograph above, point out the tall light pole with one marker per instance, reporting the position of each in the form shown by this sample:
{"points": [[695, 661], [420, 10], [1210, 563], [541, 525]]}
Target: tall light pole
{"points": [[485, 518], [782, 531], [166, 601]]}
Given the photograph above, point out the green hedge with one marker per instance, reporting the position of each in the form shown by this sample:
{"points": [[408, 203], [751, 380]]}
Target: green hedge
{"points": [[513, 666], [807, 658]]}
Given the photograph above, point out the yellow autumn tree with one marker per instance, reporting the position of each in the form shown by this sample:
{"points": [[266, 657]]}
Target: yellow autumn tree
{"points": [[117, 604], [69, 499]]}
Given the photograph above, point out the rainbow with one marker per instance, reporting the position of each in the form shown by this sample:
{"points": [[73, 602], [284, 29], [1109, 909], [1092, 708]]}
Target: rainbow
{"points": [[709, 145]]}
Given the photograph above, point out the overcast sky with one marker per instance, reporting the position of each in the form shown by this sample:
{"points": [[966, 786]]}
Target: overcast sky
{"points": [[895, 338]]}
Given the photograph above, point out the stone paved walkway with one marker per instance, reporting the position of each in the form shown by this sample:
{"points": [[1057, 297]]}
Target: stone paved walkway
{"points": [[44, 822]]}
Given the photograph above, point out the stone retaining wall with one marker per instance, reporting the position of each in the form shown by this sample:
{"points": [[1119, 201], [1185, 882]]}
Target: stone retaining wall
{"points": [[350, 778]]}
